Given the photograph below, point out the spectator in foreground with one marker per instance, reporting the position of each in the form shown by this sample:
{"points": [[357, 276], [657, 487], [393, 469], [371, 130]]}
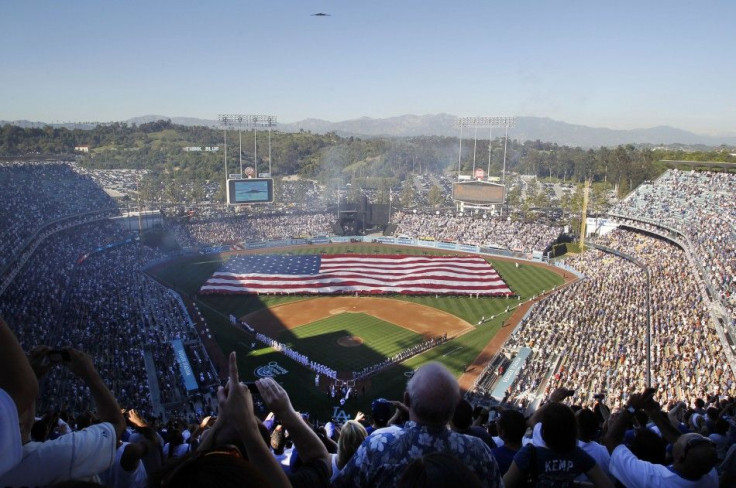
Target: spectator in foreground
{"points": [[233, 452], [351, 437], [79, 455], [694, 456], [431, 396], [380, 414], [559, 459], [18, 391], [588, 430], [462, 423], [511, 426]]}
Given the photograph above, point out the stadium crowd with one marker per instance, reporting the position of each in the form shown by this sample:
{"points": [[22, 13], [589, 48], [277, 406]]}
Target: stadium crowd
{"points": [[701, 206], [36, 194], [469, 229], [433, 438], [239, 229], [592, 334], [304, 194], [107, 306], [82, 326]]}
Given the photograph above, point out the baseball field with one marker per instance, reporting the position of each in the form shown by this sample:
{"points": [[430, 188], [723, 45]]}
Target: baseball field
{"points": [[348, 333]]}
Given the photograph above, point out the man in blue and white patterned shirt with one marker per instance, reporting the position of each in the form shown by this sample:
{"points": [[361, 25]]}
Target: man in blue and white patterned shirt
{"points": [[431, 395]]}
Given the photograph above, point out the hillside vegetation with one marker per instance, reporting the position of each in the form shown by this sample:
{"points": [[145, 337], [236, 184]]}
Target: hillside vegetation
{"points": [[159, 147]]}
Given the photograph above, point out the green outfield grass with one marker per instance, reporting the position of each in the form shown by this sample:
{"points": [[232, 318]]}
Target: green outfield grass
{"points": [[187, 275], [318, 340]]}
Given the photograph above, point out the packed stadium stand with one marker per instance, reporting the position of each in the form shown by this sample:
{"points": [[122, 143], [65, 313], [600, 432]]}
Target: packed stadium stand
{"points": [[73, 280], [478, 231], [699, 208]]}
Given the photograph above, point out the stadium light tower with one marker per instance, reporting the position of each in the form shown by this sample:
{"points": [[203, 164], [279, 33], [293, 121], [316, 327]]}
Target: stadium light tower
{"points": [[254, 121], [225, 120], [490, 122]]}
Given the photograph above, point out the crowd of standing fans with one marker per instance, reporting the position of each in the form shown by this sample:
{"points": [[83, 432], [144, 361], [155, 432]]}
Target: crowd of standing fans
{"points": [[250, 228], [82, 321], [103, 304], [35, 194], [477, 231], [701, 206], [592, 335]]}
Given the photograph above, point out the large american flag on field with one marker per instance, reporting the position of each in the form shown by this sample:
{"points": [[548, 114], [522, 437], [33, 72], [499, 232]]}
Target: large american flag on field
{"points": [[356, 273]]}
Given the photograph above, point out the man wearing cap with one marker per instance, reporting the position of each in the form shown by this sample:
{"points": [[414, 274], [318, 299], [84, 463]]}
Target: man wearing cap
{"points": [[431, 396], [381, 411]]}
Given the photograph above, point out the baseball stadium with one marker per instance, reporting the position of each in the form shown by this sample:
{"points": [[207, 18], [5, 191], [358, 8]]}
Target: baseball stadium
{"points": [[350, 333], [342, 305]]}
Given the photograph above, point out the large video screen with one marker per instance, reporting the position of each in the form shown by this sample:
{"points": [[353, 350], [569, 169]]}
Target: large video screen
{"points": [[253, 190]]}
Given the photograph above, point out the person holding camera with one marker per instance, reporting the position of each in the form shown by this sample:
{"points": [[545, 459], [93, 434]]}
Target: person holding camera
{"points": [[693, 456], [79, 455], [18, 391]]}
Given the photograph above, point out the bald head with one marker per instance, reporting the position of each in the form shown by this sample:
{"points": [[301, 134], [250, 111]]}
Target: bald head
{"points": [[432, 395], [694, 455]]}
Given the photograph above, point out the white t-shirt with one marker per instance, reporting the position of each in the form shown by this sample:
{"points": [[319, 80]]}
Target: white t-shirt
{"points": [[597, 452], [117, 477], [635, 473], [76, 456], [11, 447], [537, 436]]}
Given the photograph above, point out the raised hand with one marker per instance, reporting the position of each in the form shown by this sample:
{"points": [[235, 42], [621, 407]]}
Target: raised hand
{"points": [[236, 419], [275, 397], [39, 360]]}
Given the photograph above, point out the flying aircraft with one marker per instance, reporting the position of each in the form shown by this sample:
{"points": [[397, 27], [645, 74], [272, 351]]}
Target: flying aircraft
{"points": [[321, 14]]}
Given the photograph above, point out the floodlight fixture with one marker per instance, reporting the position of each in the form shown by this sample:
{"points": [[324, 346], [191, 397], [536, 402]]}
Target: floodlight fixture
{"points": [[491, 122], [495, 121], [249, 121]]}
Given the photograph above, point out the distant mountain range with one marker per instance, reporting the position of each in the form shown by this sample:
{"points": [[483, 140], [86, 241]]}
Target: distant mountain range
{"points": [[527, 128]]}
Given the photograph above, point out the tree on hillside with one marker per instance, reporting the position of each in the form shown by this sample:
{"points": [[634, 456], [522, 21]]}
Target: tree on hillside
{"points": [[434, 196], [408, 193]]}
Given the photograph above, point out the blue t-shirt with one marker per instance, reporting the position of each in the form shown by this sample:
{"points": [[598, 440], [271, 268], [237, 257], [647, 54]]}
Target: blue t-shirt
{"points": [[552, 464], [504, 456]]}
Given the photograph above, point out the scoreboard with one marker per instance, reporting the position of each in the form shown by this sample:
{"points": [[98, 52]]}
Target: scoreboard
{"points": [[478, 192], [249, 190]]}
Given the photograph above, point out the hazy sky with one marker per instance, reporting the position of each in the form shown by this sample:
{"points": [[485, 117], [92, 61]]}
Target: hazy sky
{"points": [[617, 64]]}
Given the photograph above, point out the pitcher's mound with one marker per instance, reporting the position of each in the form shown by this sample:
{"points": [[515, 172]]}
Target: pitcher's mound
{"points": [[349, 341]]}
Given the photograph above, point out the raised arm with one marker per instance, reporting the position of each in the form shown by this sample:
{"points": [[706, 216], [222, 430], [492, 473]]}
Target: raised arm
{"points": [[555, 397], [617, 424], [661, 420], [108, 409], [307, 443], [16, 376], [238, 422]]}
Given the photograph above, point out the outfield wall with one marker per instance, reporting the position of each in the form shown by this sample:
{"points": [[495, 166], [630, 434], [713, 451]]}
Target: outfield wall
{"points": [[400, 241]]}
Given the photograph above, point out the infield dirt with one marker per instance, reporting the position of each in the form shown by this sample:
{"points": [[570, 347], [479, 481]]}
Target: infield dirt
{"points": [[427, 321]]}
